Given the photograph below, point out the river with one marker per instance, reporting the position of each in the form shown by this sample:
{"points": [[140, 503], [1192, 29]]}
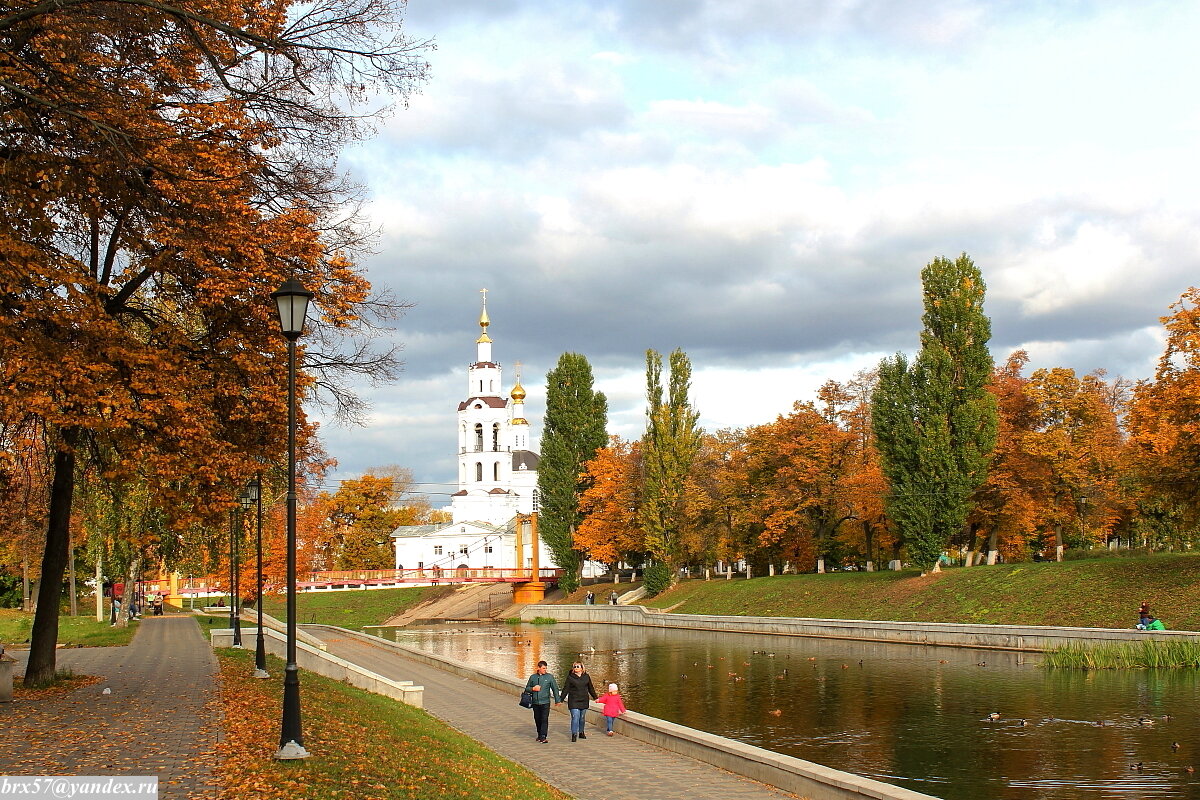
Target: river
{"points": [[916, 716]]}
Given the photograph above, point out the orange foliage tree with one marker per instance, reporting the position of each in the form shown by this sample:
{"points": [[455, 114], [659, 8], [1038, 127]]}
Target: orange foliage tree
{"points": [[1164, 432], [1009, 506], [1077, 439], [165, 168], [611, 530], [797, 467]]}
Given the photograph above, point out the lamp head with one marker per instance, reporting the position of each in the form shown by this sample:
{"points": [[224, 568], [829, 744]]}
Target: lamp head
{"points": [[291, 303]]}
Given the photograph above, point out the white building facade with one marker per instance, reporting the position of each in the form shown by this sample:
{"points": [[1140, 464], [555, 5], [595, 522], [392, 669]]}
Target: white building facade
{"points": [[497, 479]]}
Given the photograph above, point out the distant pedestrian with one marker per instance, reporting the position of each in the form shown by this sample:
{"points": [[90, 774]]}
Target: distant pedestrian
{"points": [[545, 691], [1144, 615], [612, 597], [156, 603], [614, 706], [580, 693], [589, 599]]}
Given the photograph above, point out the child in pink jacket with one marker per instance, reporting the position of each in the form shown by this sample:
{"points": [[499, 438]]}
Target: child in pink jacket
{"points": [[614, 706]]}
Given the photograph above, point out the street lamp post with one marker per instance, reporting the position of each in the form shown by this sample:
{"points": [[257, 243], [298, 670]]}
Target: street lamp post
{"points": [[254, 495], [235, 616], [291, 301]]}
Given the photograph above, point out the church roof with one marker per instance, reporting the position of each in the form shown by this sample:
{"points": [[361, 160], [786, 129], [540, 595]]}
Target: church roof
{"points": [[417, 531], [494, 402], [525, 460]]}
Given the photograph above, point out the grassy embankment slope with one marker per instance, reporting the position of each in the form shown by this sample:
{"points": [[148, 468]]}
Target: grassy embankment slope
{"points": [[353, 609], [1102, 593]]}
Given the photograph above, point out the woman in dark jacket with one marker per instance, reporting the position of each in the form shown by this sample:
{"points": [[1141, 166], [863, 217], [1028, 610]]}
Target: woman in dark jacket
{"points": [[579, 693]]}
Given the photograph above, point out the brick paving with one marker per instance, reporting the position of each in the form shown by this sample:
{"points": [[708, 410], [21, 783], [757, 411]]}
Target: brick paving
{"points": [[161, 718], [598, 768]]}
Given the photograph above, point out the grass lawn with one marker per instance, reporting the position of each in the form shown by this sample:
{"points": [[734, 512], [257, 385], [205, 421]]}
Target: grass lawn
{"points": [[352, 608], [16, 625], [1101, 593], [362, 746]]}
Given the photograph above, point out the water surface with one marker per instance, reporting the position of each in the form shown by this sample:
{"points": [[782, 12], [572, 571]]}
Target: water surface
{"points": [[916, 716]]}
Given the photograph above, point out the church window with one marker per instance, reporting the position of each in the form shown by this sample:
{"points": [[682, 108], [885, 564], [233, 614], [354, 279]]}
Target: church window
{"points": [[487, 548], [496, 471], [496, 437], [537, 499], [437, 549], [478, 471], [478, 437], [462, 549]]}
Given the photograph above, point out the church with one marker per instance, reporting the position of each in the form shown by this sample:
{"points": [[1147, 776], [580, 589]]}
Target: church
{"points": [[497, 478]]}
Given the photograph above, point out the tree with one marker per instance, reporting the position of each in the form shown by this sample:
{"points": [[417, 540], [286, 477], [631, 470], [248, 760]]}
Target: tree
{"points": [[1076, 437], [934, 420], [669, 446], [610, 530], [165, 167], [799, 466], [362, 514], [1012, 502], [573, 430], [1164, 426]]}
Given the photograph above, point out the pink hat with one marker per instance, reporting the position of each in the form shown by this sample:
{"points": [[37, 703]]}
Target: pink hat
{"points": [[612, 687]]}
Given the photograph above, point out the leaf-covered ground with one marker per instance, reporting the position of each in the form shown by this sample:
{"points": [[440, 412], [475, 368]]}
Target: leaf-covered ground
{"points": [[363, 746], [81, 631], [1101, 593]]}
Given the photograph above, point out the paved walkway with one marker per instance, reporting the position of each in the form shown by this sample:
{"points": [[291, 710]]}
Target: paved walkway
{"points": [[598, 768], [161, 717]]}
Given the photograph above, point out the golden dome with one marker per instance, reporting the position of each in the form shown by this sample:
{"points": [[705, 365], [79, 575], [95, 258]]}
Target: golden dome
{"points": [[518, 392]]}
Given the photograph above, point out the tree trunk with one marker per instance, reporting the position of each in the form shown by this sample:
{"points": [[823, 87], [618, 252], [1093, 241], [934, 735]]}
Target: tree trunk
{"points": [[99, 587], [820, 565], [1058, 542], [44, 637], [869, 543], [26, 606], [992, 554], [130, 593], [71, 573]]}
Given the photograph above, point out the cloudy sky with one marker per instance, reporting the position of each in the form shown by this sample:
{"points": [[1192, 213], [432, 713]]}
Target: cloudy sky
{"points": [[760, 183]]}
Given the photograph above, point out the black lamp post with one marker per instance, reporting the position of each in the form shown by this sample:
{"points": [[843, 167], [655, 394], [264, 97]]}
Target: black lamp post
{"points": [[254, 495], [291, 301], [235, 616]]}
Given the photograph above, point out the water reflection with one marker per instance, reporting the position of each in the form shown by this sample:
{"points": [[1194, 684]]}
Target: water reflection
{"points": [[909, 715]]}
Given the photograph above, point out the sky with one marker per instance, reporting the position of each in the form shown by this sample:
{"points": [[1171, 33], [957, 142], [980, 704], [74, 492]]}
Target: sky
{"points": [[760, 184]]}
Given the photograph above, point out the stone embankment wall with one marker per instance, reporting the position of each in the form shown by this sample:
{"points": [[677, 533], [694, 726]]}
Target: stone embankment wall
{"points": [[1031, 638]]}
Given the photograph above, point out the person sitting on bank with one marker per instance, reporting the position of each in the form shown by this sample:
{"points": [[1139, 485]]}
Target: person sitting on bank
{"points": [[1155, 624], [1144, 615]]}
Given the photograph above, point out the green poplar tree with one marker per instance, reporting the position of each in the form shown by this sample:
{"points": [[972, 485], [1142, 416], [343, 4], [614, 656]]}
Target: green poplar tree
{"points": [[934, 419], [669, 447], [574, 429]]}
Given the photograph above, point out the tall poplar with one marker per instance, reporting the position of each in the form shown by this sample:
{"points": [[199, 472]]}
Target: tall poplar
{"points": [[934, 419], [573, 430], [669, 447]]}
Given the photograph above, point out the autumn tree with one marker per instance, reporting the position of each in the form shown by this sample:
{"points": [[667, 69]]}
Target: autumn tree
{"points": [[1164, 427], [934, 420], [164, 168], [573, 430], [610, 530], [1076, 437], [718, 516], [863, 487], [798, 466], [669, 446], [362, 514]]}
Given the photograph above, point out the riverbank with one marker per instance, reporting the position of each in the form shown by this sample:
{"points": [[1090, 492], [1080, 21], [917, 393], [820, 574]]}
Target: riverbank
{"points": [[1099, 593]]}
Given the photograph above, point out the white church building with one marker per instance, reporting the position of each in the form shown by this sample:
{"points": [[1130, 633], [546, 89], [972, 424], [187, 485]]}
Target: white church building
{"points": [[497, 479]]}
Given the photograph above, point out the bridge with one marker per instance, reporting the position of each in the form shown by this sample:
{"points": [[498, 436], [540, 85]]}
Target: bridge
{"points": [[356, 579]]}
